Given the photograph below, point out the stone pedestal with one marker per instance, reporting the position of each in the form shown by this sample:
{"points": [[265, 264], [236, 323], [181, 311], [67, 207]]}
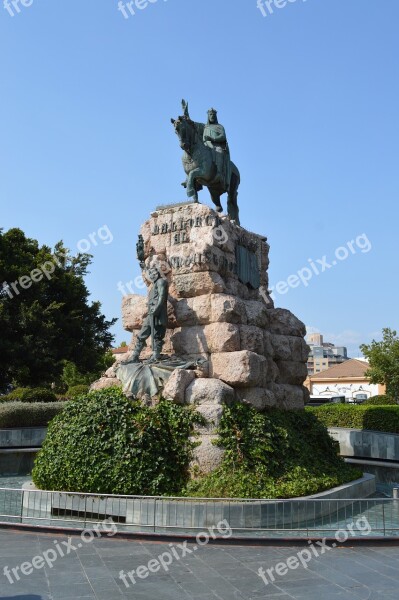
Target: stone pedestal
{"points": [[220, 311]]}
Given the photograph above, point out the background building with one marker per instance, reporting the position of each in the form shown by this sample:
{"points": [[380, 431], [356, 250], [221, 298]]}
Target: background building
{"points": [[324, 355], [346, 379]]}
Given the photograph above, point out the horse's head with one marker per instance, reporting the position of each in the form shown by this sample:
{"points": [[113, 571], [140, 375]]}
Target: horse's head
{"points": [[185, 131]]}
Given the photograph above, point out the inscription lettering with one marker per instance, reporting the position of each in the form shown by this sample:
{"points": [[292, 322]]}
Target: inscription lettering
{"points": [[178, 262], [186, 225]]}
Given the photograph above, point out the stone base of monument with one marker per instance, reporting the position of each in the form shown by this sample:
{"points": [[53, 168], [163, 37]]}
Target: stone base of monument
{"points": [[221, 320]]}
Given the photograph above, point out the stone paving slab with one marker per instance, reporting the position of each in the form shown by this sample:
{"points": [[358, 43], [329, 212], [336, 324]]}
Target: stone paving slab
{"points": [[92, 571]]}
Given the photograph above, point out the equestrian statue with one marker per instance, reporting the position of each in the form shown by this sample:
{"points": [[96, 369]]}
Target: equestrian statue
{"points": [[206, 160]]}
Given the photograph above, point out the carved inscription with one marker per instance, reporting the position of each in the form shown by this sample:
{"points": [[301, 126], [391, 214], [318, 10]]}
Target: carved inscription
{"points": [[180, 228], [220, 261]]}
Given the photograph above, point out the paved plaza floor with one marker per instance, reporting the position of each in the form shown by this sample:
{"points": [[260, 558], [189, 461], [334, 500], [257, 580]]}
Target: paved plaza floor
{"points": [[90, 569]]}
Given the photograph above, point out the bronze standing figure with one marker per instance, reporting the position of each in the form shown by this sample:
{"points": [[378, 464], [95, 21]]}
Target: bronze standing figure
{"points": [[157, 320]]}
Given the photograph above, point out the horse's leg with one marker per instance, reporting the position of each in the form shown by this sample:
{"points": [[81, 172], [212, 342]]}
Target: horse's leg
{"points": [[232, 201], [216, 200], [191, 187]]}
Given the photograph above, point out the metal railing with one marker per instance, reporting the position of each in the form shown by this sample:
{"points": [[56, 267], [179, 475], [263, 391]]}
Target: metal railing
{"points": [[162, 515]]}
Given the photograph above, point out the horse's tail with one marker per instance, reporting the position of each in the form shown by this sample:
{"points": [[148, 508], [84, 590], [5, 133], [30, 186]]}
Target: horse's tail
{"points": [[232, 202]]}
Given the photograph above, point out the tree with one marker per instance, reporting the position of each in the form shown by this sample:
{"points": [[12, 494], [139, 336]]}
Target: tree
{"points": [[383, 358], [72, 377], [45, 314]]}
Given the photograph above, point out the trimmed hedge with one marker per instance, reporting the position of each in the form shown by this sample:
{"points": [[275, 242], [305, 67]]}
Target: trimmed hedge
{"points": [[380, 401], [30, 395], [21, 414], [374, 418]]}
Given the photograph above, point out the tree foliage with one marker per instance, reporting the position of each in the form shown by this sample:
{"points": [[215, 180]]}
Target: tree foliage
{"points": [[43, 323], [71, 376], [383, 358]]}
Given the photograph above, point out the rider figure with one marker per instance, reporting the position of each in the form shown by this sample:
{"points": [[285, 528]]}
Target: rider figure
{"points": [[215, 138]]}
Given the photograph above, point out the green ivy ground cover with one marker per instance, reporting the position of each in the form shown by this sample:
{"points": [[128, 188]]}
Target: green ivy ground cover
{"points": [[103, 442]]}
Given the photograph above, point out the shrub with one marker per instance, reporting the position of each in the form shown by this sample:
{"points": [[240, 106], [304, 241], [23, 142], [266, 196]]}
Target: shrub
{"points": [[77, 390], [30, 395], [106, 443], [15, 395], [380, 401], [20, 414], [275, 454], [374, 418]]}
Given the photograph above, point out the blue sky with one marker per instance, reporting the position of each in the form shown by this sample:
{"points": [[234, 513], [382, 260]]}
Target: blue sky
{"points": [[309, 99]]}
